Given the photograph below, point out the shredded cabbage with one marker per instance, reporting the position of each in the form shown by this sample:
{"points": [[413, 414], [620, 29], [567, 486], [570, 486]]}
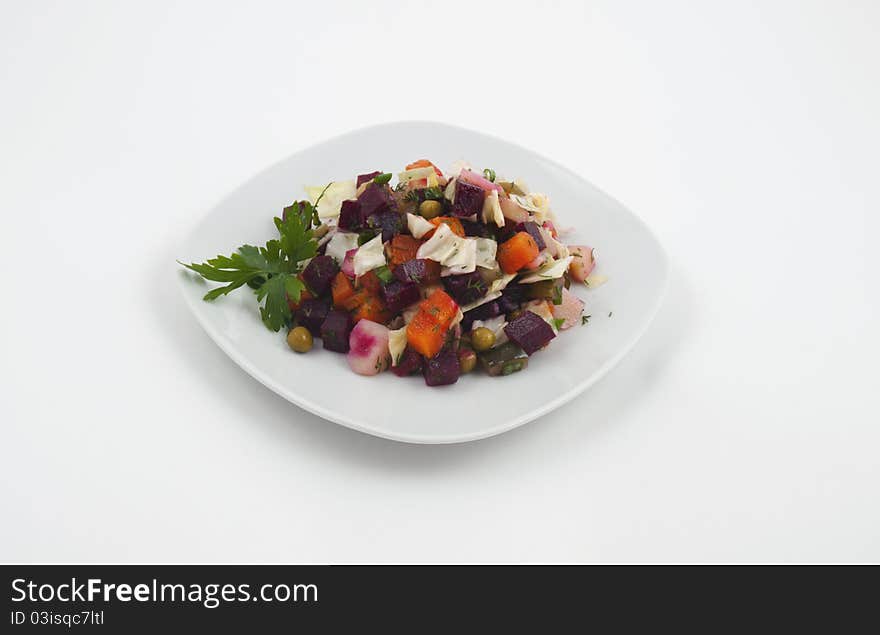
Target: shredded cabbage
{"points": [[492, 210], [340, 244], [417, 225], [416, 173], [456, 254], [396, 344], [486, 251], [331, 201], [550, 271], [369, 256]]}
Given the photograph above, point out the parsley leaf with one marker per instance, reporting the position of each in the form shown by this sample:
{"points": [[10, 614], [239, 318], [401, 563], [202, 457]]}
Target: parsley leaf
{"points": [[270, 270], [273, 293], [296, 237]]}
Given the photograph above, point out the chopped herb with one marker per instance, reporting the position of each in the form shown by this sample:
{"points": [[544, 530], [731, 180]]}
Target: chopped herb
{"points": [[426, 193], [609, 313], [557, 295], [382, 179], [489, 173], [585, 319], [558, 322], [433, 194], [316, 219]]}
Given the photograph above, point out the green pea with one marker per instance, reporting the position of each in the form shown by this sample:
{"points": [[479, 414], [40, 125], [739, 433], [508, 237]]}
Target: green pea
{"points": [[430, 209], [482, 339], [300, 339]]}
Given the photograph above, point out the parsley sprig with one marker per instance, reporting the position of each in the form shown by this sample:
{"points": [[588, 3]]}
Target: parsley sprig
{"points": [[271, 270]]}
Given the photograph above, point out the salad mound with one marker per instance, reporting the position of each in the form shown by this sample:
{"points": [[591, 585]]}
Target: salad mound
{"points": [[434, 275]]}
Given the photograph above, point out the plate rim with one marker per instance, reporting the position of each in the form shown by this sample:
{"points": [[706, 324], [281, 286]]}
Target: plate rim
{"points": [[438, 439]]}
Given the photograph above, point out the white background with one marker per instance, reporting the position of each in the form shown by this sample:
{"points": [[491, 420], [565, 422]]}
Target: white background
{"points": [[744, 426]]}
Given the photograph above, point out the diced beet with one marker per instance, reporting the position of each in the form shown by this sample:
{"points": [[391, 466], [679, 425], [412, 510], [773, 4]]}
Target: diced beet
{"points": [[398, 295], [311, 314], [505, 233], [512, 297], [410, 363], [482, 312], [442, 369], [335, 331], [350, 217], [475, 228], [466, 288], [374, 199], [530, 332], [363, 178], [531, 228], [468, 199], [319, 273], [418, 270], [389, 222]]}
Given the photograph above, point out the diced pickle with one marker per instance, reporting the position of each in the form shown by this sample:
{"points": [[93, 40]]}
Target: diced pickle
{"points": [[504, 360], [545, 290]]}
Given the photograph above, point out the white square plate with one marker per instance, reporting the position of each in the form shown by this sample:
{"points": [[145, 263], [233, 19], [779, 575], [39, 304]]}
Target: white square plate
{"points": [[405, 409]]}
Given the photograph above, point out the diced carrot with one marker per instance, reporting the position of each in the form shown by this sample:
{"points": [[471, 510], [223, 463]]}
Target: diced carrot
{"points": [[372, 309], [453, 223], [424, 335], [305, 294], [403, 248], [370, 281], [516, 252], [424, 163], [355, 300], [440, 306], [342, 289], [427, 330]]}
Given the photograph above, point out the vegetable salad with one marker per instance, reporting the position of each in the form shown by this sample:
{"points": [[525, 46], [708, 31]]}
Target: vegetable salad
{"points": [[436, 274]]}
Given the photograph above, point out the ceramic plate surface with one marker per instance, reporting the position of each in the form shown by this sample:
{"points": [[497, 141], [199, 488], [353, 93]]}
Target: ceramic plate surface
{"points": [[405, 409]]}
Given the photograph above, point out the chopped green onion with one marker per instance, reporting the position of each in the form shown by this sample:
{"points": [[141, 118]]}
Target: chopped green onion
{"points": [[365, 237], [489, 173], [384, 274]]}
